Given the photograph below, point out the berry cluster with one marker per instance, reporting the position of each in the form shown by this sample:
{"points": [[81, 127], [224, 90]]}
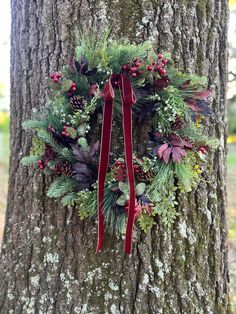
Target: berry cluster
{"points": [[120, 171], [41, 164], [133, 68], [64, 132], [158, 66], [69, 132], [73, 87], [55, 76]]}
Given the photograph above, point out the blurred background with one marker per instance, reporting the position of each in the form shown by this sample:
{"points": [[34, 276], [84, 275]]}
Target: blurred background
{"points": [[231, 109]]}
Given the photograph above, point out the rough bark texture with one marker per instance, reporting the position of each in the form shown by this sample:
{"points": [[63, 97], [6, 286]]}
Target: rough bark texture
{"points": [[48, 261]]}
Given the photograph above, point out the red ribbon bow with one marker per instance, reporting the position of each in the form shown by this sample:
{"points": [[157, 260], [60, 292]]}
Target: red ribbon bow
{"points": [[128, 99]]}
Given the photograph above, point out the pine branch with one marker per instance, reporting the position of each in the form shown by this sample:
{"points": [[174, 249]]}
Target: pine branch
{"points": [[35, 124], [61, 187], [69, 199], [30, 160]]}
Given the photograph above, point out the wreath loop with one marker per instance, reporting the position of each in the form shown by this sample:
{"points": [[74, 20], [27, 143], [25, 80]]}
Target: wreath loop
{"points": [[142, 181]]}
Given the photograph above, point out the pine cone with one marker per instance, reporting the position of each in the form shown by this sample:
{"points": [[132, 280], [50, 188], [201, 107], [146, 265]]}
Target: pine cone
{"points": [[64, 168], [77, 103], [143, 176]]}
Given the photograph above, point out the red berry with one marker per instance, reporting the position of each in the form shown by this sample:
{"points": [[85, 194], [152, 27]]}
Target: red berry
{"points": [[52, 75], [153, 63], [134, 74], [150, 68], [55, 79], [202, 150], [74, 88], [59, 75], [164, 61], [162, 71], [125, 67], [133, 69], [138, 64], [160, 55], [140, 72]]}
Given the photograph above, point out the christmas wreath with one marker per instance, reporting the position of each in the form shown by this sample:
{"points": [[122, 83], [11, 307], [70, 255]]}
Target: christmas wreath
{"points": [[135, 83]]}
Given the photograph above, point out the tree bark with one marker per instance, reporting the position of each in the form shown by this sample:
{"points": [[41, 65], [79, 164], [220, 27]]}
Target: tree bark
{"points": [[48, 260]]}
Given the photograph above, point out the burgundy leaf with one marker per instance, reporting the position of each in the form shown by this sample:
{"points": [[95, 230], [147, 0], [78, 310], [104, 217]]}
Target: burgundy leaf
{"points": [[81, 168], [187, 144], [155, 150], [166, 155], [175, 140], [177, 154], [193, 105], [161, 150], [161, 83], [203, 94], [79, 155]]}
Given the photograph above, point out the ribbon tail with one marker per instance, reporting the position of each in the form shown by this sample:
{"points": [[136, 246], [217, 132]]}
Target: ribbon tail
{"points": [[128, 99], [104, 158]]}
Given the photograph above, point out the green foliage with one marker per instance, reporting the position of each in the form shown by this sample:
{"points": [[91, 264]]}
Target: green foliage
{"points": [[69, 199], [162, 192], [195, 134], [63, 152], [171, 106], [146, 221], [61, 186], [178, 78], [34, 124], [123, 52], [94, 47], [110, 54], [37, 147], [30, 160], [86, 203]]}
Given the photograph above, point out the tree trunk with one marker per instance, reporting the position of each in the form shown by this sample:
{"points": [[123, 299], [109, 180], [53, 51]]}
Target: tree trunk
{"points": [[48, 261]]}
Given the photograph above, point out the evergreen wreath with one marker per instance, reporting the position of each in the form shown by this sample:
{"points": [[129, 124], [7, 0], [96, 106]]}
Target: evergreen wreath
{"points": [[174, 106]]}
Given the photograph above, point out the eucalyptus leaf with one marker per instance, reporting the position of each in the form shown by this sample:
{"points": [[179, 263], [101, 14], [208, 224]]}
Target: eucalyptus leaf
{"points": [[121, 200], [123, 187], [140, 188]]}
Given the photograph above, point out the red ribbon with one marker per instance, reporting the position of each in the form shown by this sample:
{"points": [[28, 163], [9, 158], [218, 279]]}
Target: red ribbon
{"points": [[128, 99]]}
